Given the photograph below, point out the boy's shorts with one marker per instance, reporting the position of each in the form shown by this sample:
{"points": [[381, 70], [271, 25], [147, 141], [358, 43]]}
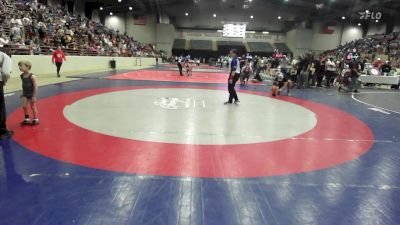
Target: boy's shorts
{"points": [[26, 96]]}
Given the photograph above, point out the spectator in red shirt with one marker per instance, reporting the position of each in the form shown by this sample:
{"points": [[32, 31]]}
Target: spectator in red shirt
{"points": [[378, 63], [58, 58]]}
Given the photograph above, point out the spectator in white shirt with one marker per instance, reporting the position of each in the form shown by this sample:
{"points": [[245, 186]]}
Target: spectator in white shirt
{"points": [[330, 72], [15, 33], [26, 21], [19, 22], [13, 21], [3, 40]]}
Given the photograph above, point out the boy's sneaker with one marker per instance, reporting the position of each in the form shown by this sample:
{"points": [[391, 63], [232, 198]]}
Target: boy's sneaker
{"points": [[25, 123], [7, 134], [228, 102], [237, 102], [35, 122]]}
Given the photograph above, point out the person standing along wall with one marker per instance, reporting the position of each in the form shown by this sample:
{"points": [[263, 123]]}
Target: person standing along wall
{"points": [[285, 66], [314, 68], [302, 76], [5, 72], [321, 71], [354, 74], [330, 72], [58, 58]]}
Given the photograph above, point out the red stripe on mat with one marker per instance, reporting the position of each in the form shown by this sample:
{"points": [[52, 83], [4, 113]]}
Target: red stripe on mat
{"points": [[194, 66], [173, 76]]}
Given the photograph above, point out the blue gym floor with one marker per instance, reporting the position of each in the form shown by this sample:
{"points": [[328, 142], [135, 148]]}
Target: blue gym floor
{"points": [[38, 190]]}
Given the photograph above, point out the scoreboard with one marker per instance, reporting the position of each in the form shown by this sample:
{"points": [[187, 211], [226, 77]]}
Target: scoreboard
{"points": [[234, 30]]}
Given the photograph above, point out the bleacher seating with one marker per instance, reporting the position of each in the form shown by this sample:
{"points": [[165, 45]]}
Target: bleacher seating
{"points": [[225, 46], [201, 45], [230, 43], [384, 46], [282, 47], [43, 28], [179, 44], [260, 47]]}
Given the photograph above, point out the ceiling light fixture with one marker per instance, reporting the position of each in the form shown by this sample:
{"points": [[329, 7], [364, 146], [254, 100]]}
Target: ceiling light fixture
{"points": [[343, 17], [119, 0], [101, 8], [214, 15], [251, 17], [279, 17], [377, 21], [111, 13], [186, 14], [130, 8], [359, 24]]}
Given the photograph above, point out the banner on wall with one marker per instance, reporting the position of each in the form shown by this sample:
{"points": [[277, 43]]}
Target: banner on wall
{"points": [[139, 20], [328, 28], [209, 34]]}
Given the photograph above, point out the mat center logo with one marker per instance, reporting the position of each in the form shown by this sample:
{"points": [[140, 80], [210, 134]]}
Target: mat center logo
{"points": [[179, 103]]}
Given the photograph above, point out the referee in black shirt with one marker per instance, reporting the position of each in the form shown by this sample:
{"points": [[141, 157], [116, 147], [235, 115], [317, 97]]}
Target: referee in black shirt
{"points": [[233, 77]]}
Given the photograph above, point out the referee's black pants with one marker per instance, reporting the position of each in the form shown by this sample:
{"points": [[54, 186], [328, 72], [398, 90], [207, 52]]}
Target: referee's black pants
{"points": [[180, 68], [231, 88]]}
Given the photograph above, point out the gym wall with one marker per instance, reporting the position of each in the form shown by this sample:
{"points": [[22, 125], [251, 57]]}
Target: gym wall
{"points": [[42, 65], [302, 40], [213, 35], [165, 36], [376, 28], [124, 22]]}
